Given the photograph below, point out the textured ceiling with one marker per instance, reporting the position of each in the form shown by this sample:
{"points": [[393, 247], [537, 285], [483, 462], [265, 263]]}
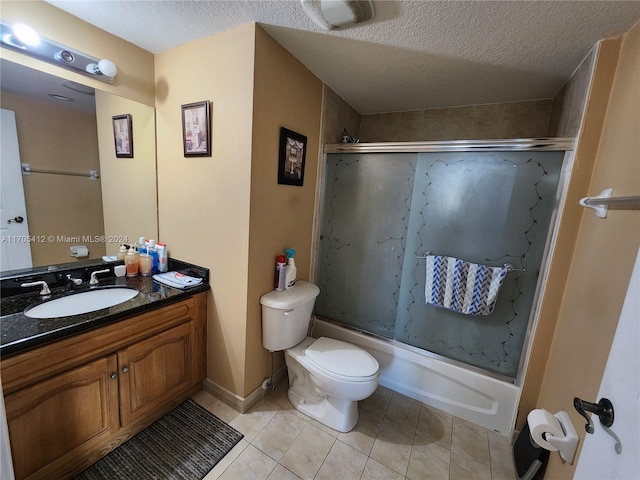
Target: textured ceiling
{"points": [[412, 55]]}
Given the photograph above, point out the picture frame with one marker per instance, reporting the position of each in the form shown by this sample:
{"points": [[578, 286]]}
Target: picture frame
{"points": [[291, 162], [123, 135], [196, 129]]}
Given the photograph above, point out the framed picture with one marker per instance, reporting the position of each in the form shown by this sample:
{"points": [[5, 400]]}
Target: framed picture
{"points": [[293, 151], [196, 129], [123, 135]]}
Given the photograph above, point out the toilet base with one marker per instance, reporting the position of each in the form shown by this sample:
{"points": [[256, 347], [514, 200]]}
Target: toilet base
{"points": [[336, 413]]}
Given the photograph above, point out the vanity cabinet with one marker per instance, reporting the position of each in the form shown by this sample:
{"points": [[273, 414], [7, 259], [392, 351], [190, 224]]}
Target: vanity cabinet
{"points": [[71, 402]]}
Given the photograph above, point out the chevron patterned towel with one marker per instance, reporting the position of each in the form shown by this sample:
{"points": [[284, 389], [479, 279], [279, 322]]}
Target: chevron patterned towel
{"points": [[461, 286]]}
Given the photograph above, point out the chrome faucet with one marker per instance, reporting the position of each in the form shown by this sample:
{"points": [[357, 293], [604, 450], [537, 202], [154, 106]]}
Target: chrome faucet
{"points": [[72, 282], [94, 278], [45, 290]]}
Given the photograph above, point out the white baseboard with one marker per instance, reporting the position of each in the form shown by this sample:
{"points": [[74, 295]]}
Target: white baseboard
{"points": [[241, 404]]}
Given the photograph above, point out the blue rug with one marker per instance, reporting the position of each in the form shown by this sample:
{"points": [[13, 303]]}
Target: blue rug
{"points": [[185, 444]]}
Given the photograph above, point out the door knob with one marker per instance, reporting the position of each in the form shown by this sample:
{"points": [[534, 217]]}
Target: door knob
{"points": [[16, 220], [603, 409]]}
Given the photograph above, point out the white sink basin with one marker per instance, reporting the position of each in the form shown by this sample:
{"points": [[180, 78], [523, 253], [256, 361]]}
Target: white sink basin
{"points": [[84, 302]]}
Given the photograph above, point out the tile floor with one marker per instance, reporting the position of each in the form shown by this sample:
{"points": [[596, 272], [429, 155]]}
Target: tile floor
{"points": [[396, 438]]}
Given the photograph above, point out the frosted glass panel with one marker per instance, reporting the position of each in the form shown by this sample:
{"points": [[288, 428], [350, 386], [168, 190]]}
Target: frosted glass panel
{"points": [[365, 219], [382, 211]]}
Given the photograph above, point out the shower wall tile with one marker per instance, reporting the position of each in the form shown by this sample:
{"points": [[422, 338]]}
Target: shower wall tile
{"points": [[338, 114], [502, 120], [569, 103]]}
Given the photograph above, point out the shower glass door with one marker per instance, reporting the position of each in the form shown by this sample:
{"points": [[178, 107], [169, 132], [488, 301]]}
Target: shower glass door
{"points": [[382, 212]]}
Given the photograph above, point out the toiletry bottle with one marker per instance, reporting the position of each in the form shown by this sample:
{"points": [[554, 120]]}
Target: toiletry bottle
{"points": [[141, 247], [290, 269], [280, 273], [151, 250], [122, 252], [131, 261], [163, 257]]}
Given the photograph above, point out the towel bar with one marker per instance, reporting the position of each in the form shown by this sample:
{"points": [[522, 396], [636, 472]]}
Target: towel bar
{"points": [[509, 266]]}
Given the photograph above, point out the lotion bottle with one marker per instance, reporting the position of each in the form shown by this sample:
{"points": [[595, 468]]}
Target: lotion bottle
{"points": [[290, 269]]}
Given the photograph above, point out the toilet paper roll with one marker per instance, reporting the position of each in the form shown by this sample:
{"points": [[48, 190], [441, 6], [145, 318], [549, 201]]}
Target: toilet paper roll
{"points": [[79, 251], [541, 423]]}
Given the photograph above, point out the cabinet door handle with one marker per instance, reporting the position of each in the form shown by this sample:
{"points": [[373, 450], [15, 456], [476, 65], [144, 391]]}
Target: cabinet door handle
{"points": [[114, 375], [125, 369]]}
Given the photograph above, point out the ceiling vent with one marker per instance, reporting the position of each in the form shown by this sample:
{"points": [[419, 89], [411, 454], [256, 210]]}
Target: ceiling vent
{"points": [[331, 14]]}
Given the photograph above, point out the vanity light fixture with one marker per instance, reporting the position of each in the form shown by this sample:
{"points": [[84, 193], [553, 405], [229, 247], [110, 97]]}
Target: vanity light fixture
{"points": [[26, 40]]}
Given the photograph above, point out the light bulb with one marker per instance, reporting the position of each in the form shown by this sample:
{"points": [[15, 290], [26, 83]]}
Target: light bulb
{"points": [[108, 68], [26, 34]]}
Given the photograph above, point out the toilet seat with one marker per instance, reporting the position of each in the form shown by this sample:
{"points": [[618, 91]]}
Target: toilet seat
{"points": [[342, 360]]}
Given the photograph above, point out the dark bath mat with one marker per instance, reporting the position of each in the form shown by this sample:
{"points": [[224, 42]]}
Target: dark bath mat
{"points": [[185, 444]]}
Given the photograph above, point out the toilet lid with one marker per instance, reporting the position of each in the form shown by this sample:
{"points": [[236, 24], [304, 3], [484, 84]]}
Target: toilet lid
{"points": [[341, 358]]}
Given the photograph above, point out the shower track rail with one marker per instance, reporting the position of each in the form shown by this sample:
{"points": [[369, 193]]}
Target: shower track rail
{"points": [[497, 145]]}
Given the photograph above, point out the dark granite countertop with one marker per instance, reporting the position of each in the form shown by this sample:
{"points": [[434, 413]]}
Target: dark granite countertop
{"points": [[19, 333]]}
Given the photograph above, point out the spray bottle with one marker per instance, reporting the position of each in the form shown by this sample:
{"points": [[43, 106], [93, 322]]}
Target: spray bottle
{"points": [[290, 269]]}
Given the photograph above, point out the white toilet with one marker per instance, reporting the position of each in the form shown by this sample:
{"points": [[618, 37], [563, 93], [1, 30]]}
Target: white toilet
{"points": [[327, 377]]}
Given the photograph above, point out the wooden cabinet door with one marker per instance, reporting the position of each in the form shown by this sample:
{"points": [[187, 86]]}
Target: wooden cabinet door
{"points": [[57, 421], [155, 371]]}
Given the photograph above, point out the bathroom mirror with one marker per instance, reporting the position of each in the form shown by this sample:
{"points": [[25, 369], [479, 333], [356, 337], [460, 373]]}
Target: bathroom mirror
{"points": [[65, 131]]}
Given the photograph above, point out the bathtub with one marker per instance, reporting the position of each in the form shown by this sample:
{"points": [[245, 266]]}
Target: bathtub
{"points": [[489, 402]]}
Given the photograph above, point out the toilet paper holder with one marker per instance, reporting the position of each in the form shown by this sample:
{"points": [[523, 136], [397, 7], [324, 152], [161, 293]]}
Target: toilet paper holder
{"points": [[565, 442], [568, 444]]}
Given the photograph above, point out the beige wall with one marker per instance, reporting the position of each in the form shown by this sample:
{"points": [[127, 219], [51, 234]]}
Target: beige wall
{"points": [[135, 78], [204, 201], [584, 160], [129, 192], [54, 137], [603, 258], [288, 95]]}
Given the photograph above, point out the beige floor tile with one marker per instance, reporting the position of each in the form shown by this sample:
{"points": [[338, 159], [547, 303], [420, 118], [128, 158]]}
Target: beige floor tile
{"points": [[429, 462], [374, 470], [343, 462], [501, 455], [281, 473], [223, 411], [251, 464], [252, 422], [364, 434], [464, 468], [377, 403], [323, 427], [404, 412], [435, 426], [279, 395], [279, 434], [224, 463], [392, 447], [307, 453], [470, 440], [204, 399]]}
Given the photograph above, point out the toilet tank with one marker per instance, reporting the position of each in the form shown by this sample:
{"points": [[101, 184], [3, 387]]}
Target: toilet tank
{"points": [[286, 315]]}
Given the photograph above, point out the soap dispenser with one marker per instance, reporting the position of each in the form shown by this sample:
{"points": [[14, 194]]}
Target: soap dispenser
{"points": [[290, 270], [131, 262]]}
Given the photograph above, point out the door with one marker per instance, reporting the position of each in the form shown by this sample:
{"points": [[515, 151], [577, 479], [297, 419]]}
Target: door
{"points": [[155, 371], [59, 420], [15, 251], [604, 456]]}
